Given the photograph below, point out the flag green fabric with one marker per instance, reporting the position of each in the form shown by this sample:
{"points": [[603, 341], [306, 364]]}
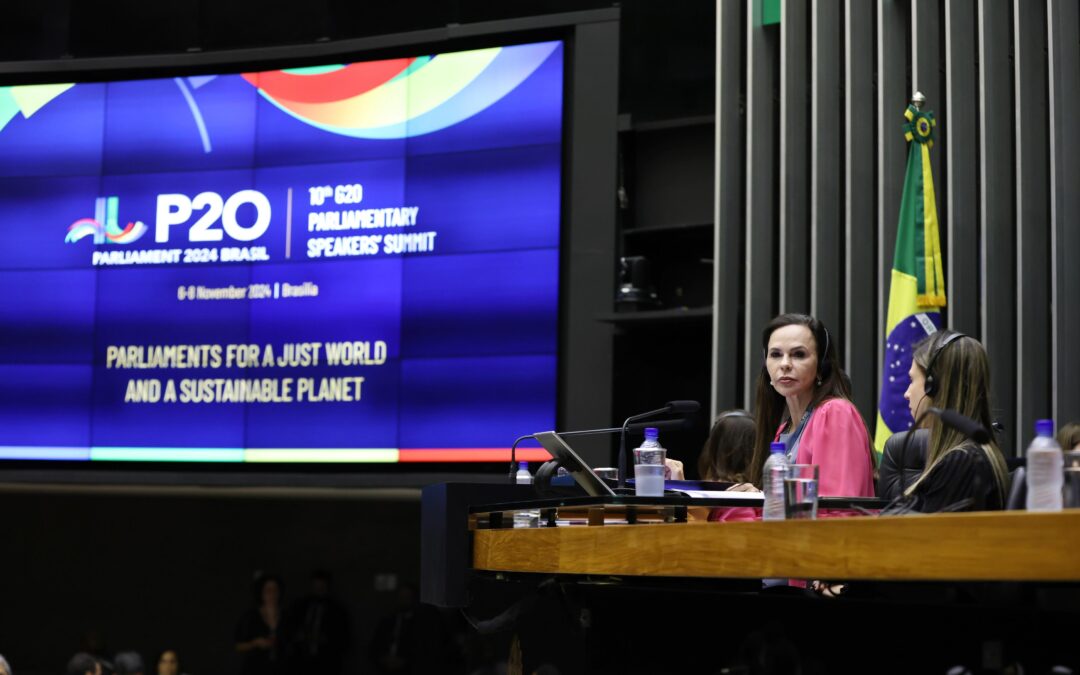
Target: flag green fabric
{"points": [[917, 288]]}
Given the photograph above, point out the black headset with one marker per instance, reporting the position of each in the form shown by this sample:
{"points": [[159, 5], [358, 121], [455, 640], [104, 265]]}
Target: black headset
{"points": [[729, 414], [824, 367], [931, 383]]}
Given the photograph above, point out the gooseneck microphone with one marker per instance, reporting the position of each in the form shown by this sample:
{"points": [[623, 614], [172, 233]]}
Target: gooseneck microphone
{"points": [[676, 407], [513, 456], [963, 424], [949, 418]]}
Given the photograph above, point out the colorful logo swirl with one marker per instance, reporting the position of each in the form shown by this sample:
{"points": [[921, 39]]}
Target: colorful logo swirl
{"points": [[379, 100], [104, 226], [400, 98]]}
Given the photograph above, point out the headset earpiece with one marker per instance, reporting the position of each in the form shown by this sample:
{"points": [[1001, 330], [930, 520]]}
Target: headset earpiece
{"points": [[929, 385], [824, 367], [730, 414], [733, 413]]}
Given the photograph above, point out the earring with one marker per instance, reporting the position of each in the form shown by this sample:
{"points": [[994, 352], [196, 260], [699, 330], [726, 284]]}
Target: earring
{"points": [[819, 382]]}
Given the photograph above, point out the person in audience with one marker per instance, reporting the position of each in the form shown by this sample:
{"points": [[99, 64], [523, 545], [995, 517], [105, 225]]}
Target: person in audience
{"points": [[5, 669], [950, 370], [1069, 436], [168, 663], [727, 451], [83, 664], [317, 630], [804, 399], [128, 663], [258, 630], [409, 640]]}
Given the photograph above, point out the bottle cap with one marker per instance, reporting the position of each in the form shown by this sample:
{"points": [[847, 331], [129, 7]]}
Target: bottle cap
{"points": [[523, 466], [652, 432], [1044, 427], [777, 446]]}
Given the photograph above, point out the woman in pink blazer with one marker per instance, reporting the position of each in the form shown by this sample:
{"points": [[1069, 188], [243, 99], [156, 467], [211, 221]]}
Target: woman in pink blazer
{"points": [[804, 399]]}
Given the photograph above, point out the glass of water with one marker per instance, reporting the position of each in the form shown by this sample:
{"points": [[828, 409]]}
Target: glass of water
{"points": [[801, 492], [649, 472]]}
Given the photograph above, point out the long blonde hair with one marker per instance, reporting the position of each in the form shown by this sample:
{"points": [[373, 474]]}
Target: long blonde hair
{"points": [[961, 375]]}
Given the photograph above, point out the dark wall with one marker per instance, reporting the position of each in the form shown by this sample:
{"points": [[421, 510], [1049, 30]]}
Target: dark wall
{"points": [[150, 572]]}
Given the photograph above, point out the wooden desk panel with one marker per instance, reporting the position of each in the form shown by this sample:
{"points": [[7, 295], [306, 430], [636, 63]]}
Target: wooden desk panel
{"points": [[1011, 545]]}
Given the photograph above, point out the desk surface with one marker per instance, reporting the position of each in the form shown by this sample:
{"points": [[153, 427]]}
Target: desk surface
{"points": [[1013, 545]]}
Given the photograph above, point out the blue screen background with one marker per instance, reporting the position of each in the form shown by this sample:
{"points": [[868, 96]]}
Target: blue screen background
{"points": [[470, 326]]}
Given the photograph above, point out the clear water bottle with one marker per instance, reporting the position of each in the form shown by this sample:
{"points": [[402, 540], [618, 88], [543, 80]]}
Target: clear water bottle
{"points": [[531, 517], [772, 479], [652, 438], [649, 465], [1045, 469], [523, 477]]}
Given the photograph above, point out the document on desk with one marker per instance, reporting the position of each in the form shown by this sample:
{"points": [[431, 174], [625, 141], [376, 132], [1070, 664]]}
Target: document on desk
{"points": [[713, 490], [751, 498]]}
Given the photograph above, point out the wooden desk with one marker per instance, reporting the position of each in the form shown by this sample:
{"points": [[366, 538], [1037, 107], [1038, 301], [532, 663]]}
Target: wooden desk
{"points": [[1004, 546]]}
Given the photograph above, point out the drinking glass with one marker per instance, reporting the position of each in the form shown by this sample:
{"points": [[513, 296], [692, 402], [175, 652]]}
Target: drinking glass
{"points": [[801, 492]]}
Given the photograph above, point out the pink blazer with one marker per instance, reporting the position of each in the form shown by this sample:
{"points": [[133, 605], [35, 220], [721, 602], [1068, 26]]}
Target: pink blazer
{"points": [[835, 439]]}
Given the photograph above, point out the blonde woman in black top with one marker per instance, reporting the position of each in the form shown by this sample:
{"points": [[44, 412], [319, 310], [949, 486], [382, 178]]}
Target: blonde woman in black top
{"points": [[950, 370]]}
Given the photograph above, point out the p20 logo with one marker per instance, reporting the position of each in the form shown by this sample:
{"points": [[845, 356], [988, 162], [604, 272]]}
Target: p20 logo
{"points": [[177, 209]]}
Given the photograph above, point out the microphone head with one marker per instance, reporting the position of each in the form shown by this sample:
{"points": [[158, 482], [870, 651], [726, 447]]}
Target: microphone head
{"points": [[680, 424], [963, 424], [683, 407]]}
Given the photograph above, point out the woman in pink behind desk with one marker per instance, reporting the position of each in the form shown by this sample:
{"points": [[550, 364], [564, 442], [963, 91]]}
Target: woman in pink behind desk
{"points": [[804, 399]]}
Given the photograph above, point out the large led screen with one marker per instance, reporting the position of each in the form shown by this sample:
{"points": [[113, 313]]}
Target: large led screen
{"points": [[350, 263]]}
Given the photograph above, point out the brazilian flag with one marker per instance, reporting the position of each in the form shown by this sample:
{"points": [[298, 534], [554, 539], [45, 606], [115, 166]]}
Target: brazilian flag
{"points": [[917, 291]]}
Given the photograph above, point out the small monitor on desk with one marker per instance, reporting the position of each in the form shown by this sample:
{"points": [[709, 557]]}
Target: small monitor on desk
{"points": [[572, 462]]}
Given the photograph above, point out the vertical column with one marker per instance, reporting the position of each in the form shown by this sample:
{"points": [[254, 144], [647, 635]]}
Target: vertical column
{"points": [[926, 77], [728, 220], [794, 269], [893, 96], [997, 210], [585, 368], [826, 298], [1063, 28], [1032, 215], [761, 190], [861, 334], [962, 208]]}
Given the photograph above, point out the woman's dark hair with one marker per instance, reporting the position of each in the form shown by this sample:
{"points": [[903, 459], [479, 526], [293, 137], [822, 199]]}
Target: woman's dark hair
{"points": [[128, 663], [82, 663], [260, 582], [770, 408], [727, 452]]}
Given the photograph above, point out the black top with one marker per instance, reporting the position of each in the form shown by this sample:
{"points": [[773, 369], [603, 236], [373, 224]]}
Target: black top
{"points": [[960, 474], [912, 457], [258, 661]]}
